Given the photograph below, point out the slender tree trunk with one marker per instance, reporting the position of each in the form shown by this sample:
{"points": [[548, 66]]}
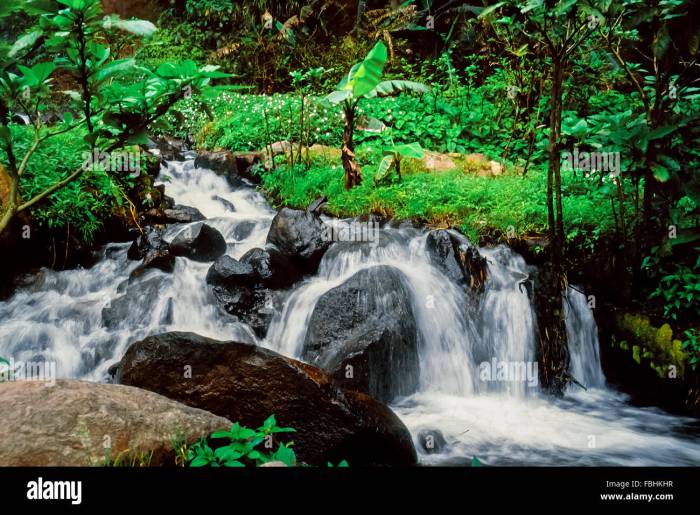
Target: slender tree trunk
{"points": [[553, 350], [353, 172]]}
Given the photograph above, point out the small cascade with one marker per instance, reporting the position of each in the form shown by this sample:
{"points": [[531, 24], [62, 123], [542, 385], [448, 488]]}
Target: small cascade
{"points": [[582, 335], [462, 337]]}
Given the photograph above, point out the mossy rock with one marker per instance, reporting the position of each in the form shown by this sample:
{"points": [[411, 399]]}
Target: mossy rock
{"points": [[655, 346]]}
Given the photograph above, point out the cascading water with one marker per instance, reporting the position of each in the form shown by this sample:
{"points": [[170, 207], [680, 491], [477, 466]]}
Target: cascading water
{"points": [[60, 317], [582, 335]]}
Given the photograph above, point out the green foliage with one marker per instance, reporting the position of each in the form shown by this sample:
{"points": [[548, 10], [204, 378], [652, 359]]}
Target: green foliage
{"points": [[691, 345], [209, 13], [364, 80], [479, 206], [392, 160], [243, 447], [83, 205], [655, 345], [118, 102], [680, 291], [128, 458]]}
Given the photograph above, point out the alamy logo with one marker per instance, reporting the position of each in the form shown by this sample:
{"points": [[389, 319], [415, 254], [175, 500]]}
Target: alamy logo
{"points": [[591, 161], [510, 371], [41, 490], [113, 161], [356, 232], [41, 371]]}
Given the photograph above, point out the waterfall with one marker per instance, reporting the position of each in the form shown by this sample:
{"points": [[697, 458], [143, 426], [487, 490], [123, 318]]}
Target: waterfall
{"points": [[582, 335], [58, 316]]}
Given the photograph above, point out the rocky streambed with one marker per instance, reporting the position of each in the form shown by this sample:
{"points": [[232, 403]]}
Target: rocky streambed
{"points": [[372, 347]]}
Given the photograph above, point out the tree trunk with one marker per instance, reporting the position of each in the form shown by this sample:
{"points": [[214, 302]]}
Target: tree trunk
{"points": [[353, 172], [553, 349]]}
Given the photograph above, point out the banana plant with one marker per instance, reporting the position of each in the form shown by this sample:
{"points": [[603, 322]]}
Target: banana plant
{"points": [[364, 81], [392, 160]]}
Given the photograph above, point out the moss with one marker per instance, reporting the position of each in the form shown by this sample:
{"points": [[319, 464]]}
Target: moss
{"points": [[635, 354], [655, 346]]}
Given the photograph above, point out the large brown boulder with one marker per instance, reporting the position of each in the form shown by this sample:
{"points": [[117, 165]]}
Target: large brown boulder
{"points": [[77, 423], [246, 383]]}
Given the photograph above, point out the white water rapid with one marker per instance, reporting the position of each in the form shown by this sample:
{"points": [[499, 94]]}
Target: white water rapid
{"points": [[58, 317]]}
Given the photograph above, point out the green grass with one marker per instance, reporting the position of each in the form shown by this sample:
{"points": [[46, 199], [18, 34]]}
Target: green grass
{"points": [[464, 122], [478, 206]]}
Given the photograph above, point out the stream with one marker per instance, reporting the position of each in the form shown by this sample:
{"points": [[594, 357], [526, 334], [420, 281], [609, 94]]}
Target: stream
{"points": [[58, 317]]}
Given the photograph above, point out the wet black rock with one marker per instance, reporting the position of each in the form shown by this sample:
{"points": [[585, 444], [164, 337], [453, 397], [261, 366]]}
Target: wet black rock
{"points": [[169, 149], [234, 166], [226, 203], [135, 307], [229, 272], [251, 305], [178, 214], [301, 236], [459, 260], [151, 239], [243, 229], [317, 206], [364, 333], [273, 268], [199, 242], [161, 259]]}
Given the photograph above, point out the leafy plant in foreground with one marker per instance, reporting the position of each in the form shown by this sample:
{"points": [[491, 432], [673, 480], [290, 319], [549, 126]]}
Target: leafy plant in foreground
{"points": [[244, 447]]}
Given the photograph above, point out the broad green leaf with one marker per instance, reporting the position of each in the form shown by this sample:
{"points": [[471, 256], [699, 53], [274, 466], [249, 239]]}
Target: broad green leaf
{"points": [[286, 455], [73, 4], [199, 461], [254, 455], [42, 71], [25, 41], [140, 138], [365, 76], [411, 150], [661, 132], [393, 87], [39, 7], [336, 97], [564, 6], [142, 28], [660, 172], [213, 72], [227, 453], [385, 166], [115, 68], [491, 9], [371, 125]]}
